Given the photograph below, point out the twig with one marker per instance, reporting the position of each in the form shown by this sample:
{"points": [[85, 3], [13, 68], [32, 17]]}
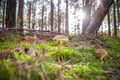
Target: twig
{"points": [[96, 40]]}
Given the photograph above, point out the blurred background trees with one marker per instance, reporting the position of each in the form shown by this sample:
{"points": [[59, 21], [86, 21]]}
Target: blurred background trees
{"points": [[64, 16]]}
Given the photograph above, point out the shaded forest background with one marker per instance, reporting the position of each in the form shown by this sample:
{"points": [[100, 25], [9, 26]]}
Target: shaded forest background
{"points": [[57, 15]]}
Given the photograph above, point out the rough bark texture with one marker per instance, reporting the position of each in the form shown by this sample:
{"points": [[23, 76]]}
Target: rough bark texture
{"points": [[42, 17], [114, 17], [52, 14], [29, 14], [118, 14], [4, 4], [109, 28], [67, 18], [87, 11], [34, 13], [98, 17], [59, 19], [20, 15], [10, 14]]}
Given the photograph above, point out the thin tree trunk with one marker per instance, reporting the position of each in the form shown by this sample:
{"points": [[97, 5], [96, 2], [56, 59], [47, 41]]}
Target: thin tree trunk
{"points": [[67, 19], [87, 11], [10, 14], [42, 17], [114, 17], [4, 3], [98, 17], [52, 14], [118, 5], [20, 15], [33, 17], [109, 28], [0, 3], [59, 22], [29, 15]]}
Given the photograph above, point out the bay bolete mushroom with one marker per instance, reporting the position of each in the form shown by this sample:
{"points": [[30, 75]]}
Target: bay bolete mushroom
{"points": [[60, 39], [102, 53]]}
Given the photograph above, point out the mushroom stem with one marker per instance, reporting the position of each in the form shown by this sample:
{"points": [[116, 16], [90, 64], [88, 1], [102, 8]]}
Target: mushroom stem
{"points": [[60, 44], [102, 61]]}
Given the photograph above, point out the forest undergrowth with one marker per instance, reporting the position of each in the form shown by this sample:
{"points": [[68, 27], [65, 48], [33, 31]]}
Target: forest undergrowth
{"points": [[33, 61]]}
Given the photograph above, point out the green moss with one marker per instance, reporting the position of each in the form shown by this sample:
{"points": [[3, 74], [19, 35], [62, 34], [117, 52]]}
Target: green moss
{"points": [[22, 57], [7, 71], [75, 65]]}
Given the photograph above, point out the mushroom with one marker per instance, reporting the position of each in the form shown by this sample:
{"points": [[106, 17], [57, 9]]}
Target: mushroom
{"points": [[60, 39], [41, 42], [102, 53]]}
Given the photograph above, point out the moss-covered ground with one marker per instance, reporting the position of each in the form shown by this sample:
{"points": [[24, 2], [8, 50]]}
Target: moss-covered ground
{"points": [[51, 64]]}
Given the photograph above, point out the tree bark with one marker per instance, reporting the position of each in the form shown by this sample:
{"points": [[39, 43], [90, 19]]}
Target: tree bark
{"points": [[114, 17], [10, 14], [67, 19], [0, 4], [34, 13], [109, 28], [59, 19], [20, 15], [52, 14], [4, 4], [87, 11], [29, 14], [98, 17], [118, 5], [42, 17]]}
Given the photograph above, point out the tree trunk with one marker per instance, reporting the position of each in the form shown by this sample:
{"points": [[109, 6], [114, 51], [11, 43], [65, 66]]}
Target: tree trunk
{"points": [[0, 1], [52, 14], [118, 15], [87, 11], [29, 14], [109, 28], [10, 14], [4, 4], [20, 15], [0, 4], [59, 20], [114, 17], [42, 17], [67, 19], [98, 17], [33, 17]]}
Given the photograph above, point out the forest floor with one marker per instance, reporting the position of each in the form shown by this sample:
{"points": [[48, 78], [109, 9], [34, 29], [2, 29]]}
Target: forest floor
{"points": [[33, 61]]}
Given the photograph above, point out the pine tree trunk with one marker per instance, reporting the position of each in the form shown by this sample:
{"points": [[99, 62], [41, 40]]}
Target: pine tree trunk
{"points": [[109, 28], [87, 11], [42, 17], [118, 15], [67, 19], [20, 15], [52, 14], [59, 21], [98, 17], [0, 4], [10, 14], [114, 17], [29, 15], [33, 17], [4, 4]]}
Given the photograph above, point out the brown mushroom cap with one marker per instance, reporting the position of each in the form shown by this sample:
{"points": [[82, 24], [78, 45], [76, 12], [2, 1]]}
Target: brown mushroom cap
{"points": [[61, 38], [101, 52]]}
